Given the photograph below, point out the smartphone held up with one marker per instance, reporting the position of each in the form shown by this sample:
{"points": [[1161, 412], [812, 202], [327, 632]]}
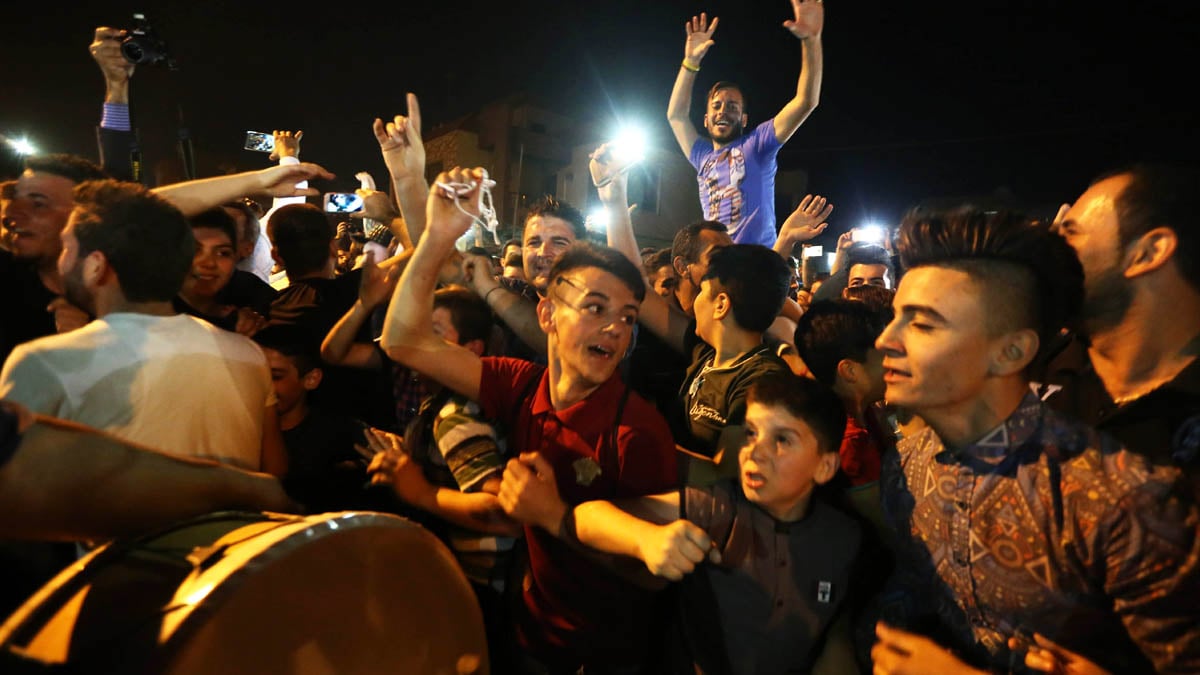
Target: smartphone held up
{"points": [[259, 141], [342, 202]]}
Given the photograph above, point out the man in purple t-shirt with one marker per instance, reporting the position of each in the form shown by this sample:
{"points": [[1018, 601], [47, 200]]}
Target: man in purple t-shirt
{"points": [[735, 170]]}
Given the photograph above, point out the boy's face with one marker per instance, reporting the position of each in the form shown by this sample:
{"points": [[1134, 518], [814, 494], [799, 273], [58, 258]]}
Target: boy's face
{"points": [[780, 462], [290, 387], [937, 353], [213, 264], [588, 315]]}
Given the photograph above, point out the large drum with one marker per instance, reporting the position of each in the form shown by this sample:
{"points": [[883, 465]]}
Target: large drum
{"points": [[336, 593]]}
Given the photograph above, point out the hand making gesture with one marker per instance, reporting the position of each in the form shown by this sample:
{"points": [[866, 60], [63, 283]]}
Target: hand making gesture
{"points": [[809, 18], [454, 201], [699, 39], [400, 142], [287, 144]]}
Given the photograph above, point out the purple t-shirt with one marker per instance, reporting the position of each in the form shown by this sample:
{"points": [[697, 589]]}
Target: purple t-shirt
{"points": [[737, 183]]}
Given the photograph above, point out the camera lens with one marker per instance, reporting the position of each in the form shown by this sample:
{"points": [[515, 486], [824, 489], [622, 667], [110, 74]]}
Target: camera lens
{"points": [[133, 51]]}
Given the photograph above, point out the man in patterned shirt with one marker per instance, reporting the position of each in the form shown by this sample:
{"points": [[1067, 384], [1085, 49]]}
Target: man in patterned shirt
{"points": [[1013, 523]]}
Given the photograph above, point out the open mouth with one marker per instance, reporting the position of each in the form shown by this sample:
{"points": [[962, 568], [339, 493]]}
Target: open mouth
{"points": [[753, 480], [602, 352], [894, 374]]}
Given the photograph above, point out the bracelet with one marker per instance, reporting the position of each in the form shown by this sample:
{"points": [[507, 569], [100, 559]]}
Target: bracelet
{"points": [[688, 66], [486, 295]]}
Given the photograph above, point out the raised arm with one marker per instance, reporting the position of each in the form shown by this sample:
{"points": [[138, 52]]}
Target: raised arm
{"points": [[114, 135], [195, 196], [408, 336], [404, 154], [806, 26], [699, 40], [611, 183], [516, 311], [375, 287], [805, 223]]}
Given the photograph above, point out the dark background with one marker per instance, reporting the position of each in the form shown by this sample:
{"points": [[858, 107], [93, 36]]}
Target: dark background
{"points": [[920, 101]]}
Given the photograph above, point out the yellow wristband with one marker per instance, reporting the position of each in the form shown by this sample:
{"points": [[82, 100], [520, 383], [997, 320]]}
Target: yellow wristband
{"points": [[688, 66]]}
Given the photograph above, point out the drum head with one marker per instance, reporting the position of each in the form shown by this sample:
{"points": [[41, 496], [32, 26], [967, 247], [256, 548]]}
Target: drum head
{"points": [[345, 593]]}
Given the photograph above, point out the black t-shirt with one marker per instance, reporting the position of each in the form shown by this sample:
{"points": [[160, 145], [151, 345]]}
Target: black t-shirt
{"points": [[325, 473], [656, 371], [316, 305], [23, 301], [712, 398], [227, 322], [245, 289]]}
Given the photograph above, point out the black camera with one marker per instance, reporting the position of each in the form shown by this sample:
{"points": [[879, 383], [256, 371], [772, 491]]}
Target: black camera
{"points": [[143, 46]]}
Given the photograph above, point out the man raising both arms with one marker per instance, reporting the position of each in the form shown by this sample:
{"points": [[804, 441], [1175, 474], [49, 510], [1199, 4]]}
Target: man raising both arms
{"points": [[736, 170]]}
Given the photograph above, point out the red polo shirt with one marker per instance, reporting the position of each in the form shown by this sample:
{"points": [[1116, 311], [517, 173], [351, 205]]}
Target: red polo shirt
{"points": [[577, 611]]}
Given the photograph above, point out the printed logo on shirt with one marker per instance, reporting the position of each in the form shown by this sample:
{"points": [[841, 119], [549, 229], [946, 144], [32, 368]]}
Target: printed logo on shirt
{"points": [[824, 592], [1044, 391], [586, 470]]}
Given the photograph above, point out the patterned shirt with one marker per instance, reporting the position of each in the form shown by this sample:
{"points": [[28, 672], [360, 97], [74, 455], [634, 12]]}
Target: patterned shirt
{"points": [[1045, 525]]}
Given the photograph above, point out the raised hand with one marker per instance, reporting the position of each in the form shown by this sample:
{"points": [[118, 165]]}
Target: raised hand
{"points": [[400, 142], [375, 286], [675, 549], [287, 144], [106, 50], [809, 18], [529, 494], [377, 205], [608, 171], [453, 204], [699, 38], [280, 181], [808, 220]]}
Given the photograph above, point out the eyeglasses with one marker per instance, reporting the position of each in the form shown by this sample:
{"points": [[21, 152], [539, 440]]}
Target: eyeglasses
{"points": [[595, 309]]}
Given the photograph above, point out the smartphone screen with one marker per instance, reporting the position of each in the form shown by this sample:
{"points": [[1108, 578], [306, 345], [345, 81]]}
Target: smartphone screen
{"points": [[259, 141], [342, 202]]}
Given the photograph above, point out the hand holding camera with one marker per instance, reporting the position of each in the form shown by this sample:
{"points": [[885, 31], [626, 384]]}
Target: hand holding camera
{"points": [[106, 51]]}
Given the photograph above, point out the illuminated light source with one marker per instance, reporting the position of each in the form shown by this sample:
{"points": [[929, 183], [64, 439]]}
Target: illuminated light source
{"points": [[870, 233], [829, 257], [629, 145], [598, 220], [22, 146]]}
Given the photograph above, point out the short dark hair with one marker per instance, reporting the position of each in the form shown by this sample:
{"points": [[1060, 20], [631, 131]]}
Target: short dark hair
{"points": [[687, 243], [877, 298], [550, 207], [471, 316], [656, 260], [145, 239], [586, 254], [294, 342], [1032, 276], [300, 234], [807, 400], [755, 278], [863, 253], [832, 330], [217, 219], [726, 84], [1162, 195], [72, 167]]}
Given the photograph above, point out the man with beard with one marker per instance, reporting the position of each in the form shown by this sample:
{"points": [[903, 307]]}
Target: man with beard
{"points": [[140, 371], [1133, 371], [736, 171]]}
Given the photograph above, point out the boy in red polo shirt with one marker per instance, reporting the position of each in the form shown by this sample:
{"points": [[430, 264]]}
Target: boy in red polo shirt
{"points": [[583, 434]]}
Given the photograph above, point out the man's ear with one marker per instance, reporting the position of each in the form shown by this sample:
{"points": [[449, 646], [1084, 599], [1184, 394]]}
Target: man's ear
{"points": [[545, 315], [476, 347], [745, 119], [312, 379], [827, 466], [1150, 251], [847, 370], [275, 256], [1014, 352], [679, 265], [96, 269], [722, 306]]}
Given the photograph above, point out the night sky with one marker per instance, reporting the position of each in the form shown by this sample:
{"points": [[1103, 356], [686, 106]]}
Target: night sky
{"points": [[919, 101]]}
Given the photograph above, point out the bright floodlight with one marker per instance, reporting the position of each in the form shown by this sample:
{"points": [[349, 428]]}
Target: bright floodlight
{"points": [[870, 233], [22, 146], [630, 144], [830, 256], [598, 220]]}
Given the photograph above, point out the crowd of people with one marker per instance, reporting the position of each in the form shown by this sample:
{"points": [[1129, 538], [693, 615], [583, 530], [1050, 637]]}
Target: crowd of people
{"points": [[969, 448]]}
